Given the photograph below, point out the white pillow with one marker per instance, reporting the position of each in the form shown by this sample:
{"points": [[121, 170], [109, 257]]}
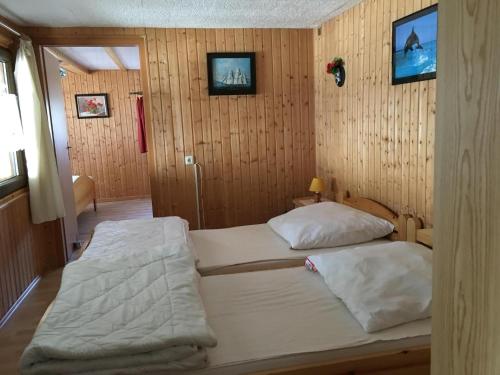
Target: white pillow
{"points": [[328, 224], [382, 285]]}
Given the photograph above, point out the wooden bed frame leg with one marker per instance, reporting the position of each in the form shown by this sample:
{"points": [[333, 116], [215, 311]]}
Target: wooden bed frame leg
{"points": [[95, 205]]}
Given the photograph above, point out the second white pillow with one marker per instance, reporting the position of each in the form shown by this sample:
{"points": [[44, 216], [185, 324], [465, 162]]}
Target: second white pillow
{"points": [[381, 285], [328, 224]]}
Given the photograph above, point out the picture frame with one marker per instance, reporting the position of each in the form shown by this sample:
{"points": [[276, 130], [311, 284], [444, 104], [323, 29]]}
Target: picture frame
{"points": [[414, 46], [92, 105], [231, 73]]}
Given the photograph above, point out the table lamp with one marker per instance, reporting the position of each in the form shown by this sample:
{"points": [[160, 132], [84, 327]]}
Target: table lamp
{"points": [[317, 186]]}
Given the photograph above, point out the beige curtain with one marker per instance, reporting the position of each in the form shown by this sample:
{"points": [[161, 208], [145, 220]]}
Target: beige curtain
{"points": [[45, 190]]}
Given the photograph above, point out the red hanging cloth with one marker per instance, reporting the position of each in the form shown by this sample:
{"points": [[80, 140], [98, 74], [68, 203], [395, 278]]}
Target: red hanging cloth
{"points": [[141, 125]]}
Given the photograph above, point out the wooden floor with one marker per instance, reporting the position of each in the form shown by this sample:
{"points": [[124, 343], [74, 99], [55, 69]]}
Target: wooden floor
{"points": [[18, 331], [119, 210]]}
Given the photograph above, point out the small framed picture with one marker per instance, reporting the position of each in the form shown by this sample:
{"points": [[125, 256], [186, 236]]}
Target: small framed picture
{"points": [[92, 105], [231, 73], [414, 46]]}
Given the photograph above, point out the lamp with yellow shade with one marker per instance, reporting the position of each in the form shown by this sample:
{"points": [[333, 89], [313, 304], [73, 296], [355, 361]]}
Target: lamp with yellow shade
{"points": [[317, 187]]}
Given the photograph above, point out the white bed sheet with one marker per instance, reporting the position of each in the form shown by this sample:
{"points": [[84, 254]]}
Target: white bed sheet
{"points": [[279, 318], [249, 247]]}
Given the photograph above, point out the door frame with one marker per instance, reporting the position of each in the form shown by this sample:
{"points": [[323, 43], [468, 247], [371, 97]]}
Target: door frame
{"points": [[107, 41]]}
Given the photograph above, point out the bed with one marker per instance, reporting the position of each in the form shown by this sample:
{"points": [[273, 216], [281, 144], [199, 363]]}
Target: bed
{"points": [[249, 248], [258, 247], [272, 321], [303, 325], [84, 193]]}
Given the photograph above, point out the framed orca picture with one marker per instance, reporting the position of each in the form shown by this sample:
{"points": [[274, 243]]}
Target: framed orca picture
{"points": [[231, 73], [414, 46]]}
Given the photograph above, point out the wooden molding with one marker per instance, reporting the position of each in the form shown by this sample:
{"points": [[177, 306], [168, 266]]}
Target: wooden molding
{"points": [[67, 62], [112, 54], [410, 361], [5, 318]]}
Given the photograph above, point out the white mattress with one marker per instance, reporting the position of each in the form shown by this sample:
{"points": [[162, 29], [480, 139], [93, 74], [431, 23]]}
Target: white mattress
{"points": [[249, 248], [279, 318]]}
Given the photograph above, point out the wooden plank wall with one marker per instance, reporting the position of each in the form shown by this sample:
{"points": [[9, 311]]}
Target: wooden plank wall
{"points": [[466, 264], [376, 139], [26, 250], [257, 151], [107, 148]]}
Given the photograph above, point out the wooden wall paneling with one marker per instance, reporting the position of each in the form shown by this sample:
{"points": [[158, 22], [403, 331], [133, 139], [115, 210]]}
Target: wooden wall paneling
{"points": [[271, 151], [361, 99], [217, 204], [26, 250], [120, 131], [225, 134], [398, 117], [113, 139], [287, 117], [165, 131], [385, 63], [378, 84], [295, 146], [132, 184], [465, 306], [245, 212], [406, 129], [230, 125], [261, 147], [352, 137], [302, 104], [391, 139], [232, 130], [258, 143], [107, 148], [429, 168], [278, 116], [194, 94], [178, 196], [253, 155], [422, 141], [210, 216], [374, 138]]}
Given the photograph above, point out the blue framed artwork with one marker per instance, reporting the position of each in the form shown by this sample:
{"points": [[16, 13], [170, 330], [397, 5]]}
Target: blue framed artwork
{"points": [[414, 46], [231, 73]]}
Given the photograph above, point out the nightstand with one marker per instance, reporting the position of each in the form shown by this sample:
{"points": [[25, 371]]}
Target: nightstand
{"points": [[306, 201]]}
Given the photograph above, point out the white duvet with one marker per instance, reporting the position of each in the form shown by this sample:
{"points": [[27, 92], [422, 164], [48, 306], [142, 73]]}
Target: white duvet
{"points": [[127, 237], [124, 313]]}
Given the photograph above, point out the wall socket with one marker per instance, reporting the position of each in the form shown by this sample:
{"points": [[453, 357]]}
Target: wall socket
{"points": [[189, 160]]}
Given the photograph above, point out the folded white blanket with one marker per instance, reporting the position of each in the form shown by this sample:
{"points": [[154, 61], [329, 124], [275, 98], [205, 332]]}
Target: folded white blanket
{"points": [[127, 237], [124, 314]]}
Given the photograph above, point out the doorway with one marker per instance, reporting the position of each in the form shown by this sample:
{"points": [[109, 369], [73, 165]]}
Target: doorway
{"points": [[94, 100]]}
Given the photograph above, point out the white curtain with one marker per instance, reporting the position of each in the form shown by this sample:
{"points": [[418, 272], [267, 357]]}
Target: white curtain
{"points": [[45, 190]]}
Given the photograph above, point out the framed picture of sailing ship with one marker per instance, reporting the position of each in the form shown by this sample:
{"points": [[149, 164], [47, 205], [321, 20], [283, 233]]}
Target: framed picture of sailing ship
{"points": [[231, 73], [414, 46]]}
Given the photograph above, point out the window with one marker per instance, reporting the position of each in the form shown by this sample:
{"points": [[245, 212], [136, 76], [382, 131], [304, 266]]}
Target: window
{"points": [[12, 164]]}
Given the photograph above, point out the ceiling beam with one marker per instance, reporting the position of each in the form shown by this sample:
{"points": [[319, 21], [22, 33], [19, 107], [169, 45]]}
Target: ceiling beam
{"points": [[67, 62], [112, 54]]}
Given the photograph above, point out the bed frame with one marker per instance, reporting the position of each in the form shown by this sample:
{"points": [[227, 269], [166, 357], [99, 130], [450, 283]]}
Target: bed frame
{"points": [[417, 233], [414, 361], [84, 192], [378, 209]]}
